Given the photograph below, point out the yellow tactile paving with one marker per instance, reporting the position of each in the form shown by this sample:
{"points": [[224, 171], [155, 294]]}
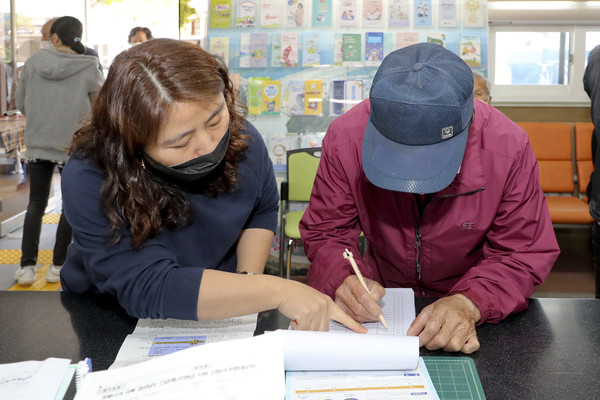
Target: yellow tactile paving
{"points": [[14, 256], [40, 283], [50, 218]]}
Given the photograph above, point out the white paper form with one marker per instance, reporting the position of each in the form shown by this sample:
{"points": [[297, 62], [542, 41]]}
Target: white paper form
{"points": [[398, 306], [361, 385], [137, 346], [237, 369], [331, 351], [32, 379]]}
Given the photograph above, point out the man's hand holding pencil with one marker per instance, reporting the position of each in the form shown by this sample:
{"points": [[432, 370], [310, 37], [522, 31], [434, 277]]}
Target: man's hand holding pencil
{"points": [[358, 301]]}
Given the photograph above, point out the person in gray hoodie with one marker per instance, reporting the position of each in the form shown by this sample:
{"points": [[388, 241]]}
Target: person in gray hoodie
{"points": [[54, 93]]}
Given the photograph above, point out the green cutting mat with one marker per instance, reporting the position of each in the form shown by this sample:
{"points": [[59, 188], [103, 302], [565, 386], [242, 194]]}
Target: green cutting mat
{"points": [[454, 378]]}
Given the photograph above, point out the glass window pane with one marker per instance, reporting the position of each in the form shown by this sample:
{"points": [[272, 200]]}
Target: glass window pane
{"points": [[532, 58], [109, 39], [592, 39], [7, 56]]}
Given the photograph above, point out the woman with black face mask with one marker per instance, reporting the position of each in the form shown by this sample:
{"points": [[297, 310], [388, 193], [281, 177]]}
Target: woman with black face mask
{"points": [[170, 192]]}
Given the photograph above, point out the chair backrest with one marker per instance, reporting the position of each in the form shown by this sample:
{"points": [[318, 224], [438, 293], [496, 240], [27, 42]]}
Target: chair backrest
{"points": [[551, 143], [302, 167], [583, 154]]}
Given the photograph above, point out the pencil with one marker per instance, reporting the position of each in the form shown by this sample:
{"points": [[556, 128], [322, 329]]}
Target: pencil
{"points": [[348, 256]]}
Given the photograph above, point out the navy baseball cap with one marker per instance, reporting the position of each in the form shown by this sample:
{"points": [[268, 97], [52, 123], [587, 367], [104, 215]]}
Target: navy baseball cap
{"points": [[421, 110]]}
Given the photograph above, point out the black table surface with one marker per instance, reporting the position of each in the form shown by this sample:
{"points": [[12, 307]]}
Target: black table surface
{"points": [[551, 351]]}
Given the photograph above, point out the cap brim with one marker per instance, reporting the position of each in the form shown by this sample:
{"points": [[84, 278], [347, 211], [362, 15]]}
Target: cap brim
{"points": [[413, 169]]}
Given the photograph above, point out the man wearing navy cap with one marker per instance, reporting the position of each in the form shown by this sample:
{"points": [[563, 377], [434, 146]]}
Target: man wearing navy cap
{"points": [[446, 192]]}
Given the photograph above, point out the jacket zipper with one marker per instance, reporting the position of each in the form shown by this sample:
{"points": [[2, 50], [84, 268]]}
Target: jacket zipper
{"points": [[418, 233]]}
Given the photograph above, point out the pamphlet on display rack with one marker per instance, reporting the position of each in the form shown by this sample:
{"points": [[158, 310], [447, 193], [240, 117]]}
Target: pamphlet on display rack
{"points": [[423, 13], [270, 14], [348, 14], [219, 46], [448, 14], [246, 14], [372, 14], [351, 49], [271, 98], [404, 39], [373, 48], [399, 13], [313, 97], [220, 13], [322, 13], [311, 56]]}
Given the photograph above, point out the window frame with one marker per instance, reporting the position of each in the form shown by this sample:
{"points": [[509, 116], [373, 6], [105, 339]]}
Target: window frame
{"points": [[568, 94]]}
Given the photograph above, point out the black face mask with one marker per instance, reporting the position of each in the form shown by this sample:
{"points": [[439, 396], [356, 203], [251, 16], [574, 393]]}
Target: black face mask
{"points": [[192, 170]]}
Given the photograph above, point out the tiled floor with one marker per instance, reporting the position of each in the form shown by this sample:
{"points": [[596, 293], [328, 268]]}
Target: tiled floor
{"points": [[571, 276]]}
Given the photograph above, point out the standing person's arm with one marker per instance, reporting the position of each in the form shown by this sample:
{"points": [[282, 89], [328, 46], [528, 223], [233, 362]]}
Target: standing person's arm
{"points": [[19, 94]]}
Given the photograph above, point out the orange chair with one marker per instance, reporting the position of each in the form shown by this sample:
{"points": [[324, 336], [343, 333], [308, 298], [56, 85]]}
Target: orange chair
{"points": [[551, 143]]}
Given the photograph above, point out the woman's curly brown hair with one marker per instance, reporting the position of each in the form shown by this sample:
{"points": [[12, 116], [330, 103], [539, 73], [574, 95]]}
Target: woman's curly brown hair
{"points": [[142, 85]]}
